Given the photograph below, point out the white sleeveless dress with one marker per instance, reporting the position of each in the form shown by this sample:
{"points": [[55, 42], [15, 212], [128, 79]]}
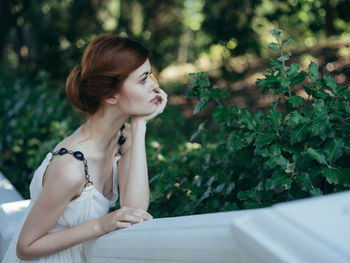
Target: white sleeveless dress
{"points": [[89, 205]]}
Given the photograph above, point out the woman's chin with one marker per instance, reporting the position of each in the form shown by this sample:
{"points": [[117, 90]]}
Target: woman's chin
{"points": [[149, 111]]}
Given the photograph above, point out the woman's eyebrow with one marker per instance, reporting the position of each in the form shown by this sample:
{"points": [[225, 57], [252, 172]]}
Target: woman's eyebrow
{"points": [[146, 72]]}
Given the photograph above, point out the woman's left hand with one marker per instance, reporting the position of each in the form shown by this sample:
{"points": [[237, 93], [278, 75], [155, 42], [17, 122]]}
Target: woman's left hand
{"points": [[163, 99]]}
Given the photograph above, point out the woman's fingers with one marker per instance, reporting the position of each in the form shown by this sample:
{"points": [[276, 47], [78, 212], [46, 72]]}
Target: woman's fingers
{"points": [[123, 218], [163, 103], [122, 225], [131, 218], [136, 212]]}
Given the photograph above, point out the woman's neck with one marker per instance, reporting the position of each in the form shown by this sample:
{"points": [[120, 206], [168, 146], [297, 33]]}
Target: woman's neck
{"points": [[101, 130]]}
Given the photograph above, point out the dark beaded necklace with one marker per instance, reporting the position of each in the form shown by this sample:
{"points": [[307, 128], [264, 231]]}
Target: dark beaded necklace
{"points": [[121, 139], [80, 156]]}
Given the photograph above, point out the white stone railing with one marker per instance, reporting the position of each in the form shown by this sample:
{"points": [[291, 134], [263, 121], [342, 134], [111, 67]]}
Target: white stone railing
{"points": [[309, 230], [12, 208]]}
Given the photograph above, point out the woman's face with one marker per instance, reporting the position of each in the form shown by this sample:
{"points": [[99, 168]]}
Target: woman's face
{"points": [[138, 92]]}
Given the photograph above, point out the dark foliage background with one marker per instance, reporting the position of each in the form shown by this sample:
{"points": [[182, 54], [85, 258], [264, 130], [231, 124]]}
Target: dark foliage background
{"points": [[190, 171]]}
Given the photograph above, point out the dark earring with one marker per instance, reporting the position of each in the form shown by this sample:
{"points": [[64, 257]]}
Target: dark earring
{"points": [[121, 139]]}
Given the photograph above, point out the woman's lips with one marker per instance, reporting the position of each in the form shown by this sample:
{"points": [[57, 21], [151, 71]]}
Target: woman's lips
{"points": [[155, 99]]}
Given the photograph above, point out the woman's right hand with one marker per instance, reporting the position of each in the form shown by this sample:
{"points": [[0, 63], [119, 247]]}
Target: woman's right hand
{"points": [[122, 217]]}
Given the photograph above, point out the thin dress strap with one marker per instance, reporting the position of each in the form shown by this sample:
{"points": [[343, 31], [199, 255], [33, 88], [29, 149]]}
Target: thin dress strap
{"points": [[79, 156]]}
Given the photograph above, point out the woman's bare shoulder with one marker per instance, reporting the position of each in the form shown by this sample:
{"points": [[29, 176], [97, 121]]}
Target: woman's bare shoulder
{"points": [[65, 169]]}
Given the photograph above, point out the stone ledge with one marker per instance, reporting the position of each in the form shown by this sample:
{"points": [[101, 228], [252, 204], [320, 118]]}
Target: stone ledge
{"points": [[310, 230], [8, 192]]}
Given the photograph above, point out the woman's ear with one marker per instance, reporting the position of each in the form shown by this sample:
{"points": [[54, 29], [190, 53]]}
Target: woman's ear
{"points": [[113, 100]]}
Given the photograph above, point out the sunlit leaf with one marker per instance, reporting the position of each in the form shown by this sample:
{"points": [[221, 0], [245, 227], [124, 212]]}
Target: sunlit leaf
{"points": [[273, 46], [316, 155], [313, 70]]}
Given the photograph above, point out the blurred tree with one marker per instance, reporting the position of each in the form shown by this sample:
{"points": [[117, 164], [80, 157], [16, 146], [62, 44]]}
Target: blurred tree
{"points": [[50, 34], [227, 19]]}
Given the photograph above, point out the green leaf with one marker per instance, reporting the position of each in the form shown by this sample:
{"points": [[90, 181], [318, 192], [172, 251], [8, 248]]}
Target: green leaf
{"points": [[303, 179], [295, 118], [180, 209], [334, 150], [229, 207], [320, 94], [347, 107], [275, 149], [276, 33], [218, 93], [290, 149], [192, 83], [264, 152], [219, 188], [290, 168], [205, 195], [315, 191], [298, 133], [284, 84], [344, 176], [277, 180], [276, 103], [200, 79], [275, 119], [277, 158], [220, 114], [199, 130], [281, 161], [203, 80], [200, 105], [266, 139], [308, 89], [286, 44], [316, 155], [296, 101], [318, 107], [252, 194], [273, 46], [251, 205], [313, 70], [248, 119], [299, 78], [332, 175], [330, 83], [284, 57], [237, 144], [293, 70]]}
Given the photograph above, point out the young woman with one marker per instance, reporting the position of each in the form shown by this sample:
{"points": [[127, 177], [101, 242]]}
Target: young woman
{"points": [[76, 184]]}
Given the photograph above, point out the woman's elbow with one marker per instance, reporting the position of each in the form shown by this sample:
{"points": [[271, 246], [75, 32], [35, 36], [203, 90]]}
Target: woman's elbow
{"points": [[22, 252]]}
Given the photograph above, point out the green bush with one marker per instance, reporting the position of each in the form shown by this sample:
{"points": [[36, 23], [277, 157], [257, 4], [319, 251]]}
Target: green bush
{"points": [[298, 148], [34, 118], [234, 160]]}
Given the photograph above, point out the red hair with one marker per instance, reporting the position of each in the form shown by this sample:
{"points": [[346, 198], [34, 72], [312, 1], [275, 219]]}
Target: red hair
{"points": [[107, 61]]}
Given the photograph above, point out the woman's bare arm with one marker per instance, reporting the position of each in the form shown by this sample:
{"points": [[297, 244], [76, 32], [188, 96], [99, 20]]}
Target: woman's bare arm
{"points": [[132, 169], [64, 179], [133, 176]]}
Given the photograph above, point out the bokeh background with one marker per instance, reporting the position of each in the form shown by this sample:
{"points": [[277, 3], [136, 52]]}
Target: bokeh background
{"points": [[42, 40]]}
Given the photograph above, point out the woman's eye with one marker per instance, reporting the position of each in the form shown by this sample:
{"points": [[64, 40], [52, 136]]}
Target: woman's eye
{"points": [[145, 78]]}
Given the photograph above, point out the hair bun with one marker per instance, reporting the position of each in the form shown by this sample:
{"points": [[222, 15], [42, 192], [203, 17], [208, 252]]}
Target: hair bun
{"points": [[73, 89]]}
